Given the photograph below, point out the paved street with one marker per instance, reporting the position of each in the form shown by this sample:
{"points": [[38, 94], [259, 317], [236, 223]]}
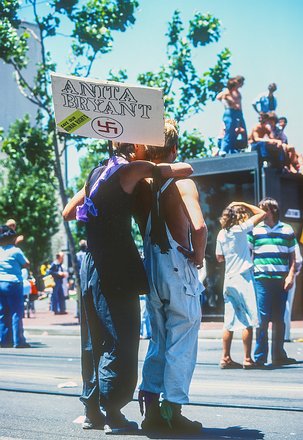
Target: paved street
{"points": [[39, 389]]}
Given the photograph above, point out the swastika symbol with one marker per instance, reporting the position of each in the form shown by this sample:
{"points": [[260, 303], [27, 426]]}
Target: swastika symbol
{"points": [[107, 128]]}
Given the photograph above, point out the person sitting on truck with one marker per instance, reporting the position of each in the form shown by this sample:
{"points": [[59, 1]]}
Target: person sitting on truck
{"points": [[269, 149], [277, 126]]}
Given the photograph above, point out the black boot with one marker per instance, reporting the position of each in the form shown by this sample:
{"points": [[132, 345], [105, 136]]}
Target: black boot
{"points": [[153, 422], [116, 423], [178, 424]]}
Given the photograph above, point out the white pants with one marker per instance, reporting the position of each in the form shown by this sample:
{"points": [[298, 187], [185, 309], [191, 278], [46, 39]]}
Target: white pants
{"points": [[175, 314], [240, 303]]}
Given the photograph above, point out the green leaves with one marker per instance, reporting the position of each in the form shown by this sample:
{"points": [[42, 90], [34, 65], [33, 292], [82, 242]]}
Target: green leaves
{"points": [[192, 145], [186, 91], [13, 48], [204, 29], [96, 20], [29, 192]]}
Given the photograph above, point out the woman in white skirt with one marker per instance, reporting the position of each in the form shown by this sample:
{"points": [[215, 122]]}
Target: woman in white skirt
{"points": [[239, 295]]}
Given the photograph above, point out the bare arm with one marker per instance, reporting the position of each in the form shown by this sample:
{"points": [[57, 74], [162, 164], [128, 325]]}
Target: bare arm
{"points": [[258, 213], [255, 107], [69, 212], [130, 175], [289, 280], [135, 171], [190, 199]]}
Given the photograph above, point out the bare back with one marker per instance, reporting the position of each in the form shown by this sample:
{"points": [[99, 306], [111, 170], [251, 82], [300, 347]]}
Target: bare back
{"points": [[176, 216]]}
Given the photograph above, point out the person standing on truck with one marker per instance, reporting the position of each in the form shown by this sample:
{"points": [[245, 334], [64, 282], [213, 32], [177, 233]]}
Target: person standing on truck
{"points": [[233, 116]]}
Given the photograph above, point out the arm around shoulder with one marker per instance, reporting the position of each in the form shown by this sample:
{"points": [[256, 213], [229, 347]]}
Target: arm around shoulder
{"points": [[69, 212]]}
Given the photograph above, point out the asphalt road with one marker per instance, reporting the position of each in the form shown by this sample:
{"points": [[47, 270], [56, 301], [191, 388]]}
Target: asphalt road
{"points": [[39, 389]]}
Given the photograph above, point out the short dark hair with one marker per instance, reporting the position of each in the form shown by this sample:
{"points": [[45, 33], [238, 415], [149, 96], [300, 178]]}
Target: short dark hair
{"points": [[125, 150], [283, 118], [270, 204], [7, 235], [231, 83], [272, 86], [263, 117]]}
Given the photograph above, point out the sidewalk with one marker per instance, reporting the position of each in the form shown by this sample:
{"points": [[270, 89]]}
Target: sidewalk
{"points": [[45, 322]]}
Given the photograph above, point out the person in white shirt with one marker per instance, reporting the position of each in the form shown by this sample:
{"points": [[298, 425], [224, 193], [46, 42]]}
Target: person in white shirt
{"points": [[239, 294]]}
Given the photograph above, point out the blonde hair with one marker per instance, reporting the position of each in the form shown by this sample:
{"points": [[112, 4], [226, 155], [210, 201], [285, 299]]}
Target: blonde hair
{"points": [[171, 136]]}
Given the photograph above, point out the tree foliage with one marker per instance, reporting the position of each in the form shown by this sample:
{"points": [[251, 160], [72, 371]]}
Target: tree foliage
{"points": [[28, 190], [93, 23], [186, 92]]}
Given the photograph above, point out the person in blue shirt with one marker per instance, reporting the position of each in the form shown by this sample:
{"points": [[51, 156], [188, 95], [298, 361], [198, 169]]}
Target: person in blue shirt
{"points": [[266, 102], [57, 272], [12, 260]]}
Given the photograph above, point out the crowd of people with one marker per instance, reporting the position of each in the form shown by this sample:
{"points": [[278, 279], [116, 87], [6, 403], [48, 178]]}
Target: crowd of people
{"points": [[261, 259], [267, 137]]}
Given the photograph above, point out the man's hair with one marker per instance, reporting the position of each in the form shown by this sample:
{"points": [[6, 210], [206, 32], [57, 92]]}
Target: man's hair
{"points": [[171, 141], [240, 78], [272, 116], [269, 204], [59, 255], [7, 235], [125, 150], [272, 87], [263, 117], [232, 216], [283, 118], [82, 245], [232, 83]]}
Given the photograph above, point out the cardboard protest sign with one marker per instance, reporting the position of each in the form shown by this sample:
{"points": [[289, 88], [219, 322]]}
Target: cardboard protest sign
{"points": [[108, 110]]}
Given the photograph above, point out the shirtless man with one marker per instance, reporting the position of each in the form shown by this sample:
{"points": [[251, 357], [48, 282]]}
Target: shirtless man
{"points": [[174, 247], [262, 140], [233, 115]]}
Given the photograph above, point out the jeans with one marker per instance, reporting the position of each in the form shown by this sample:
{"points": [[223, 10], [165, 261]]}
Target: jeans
{"points": [[271, 299], [11, 314], [110, 332], [58, 298], [269, 153], [232, 119]]}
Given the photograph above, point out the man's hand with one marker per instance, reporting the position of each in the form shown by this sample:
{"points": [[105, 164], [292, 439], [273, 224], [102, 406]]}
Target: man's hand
{"points": [[191, 256], [288, 283]]}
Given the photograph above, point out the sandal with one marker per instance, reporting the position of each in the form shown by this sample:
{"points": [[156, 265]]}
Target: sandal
{"points": [[251, 366], [230, 365]]}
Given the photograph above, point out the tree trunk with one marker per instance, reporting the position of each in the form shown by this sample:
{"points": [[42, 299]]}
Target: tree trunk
{"points": [[64, 200]]}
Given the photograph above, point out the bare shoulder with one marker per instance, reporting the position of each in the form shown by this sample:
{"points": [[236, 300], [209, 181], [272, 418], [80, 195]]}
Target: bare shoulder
{"points": [[186, 186]]}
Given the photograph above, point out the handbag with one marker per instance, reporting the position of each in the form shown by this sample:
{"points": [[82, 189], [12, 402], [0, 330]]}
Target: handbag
{"points": [[49, 281]]}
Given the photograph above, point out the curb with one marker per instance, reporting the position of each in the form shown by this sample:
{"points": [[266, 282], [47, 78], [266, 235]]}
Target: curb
{"points": [[74, 330]]}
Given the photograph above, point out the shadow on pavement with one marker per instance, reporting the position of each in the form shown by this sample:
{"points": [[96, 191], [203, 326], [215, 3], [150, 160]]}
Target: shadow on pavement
{"points": [[233, 432]]}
